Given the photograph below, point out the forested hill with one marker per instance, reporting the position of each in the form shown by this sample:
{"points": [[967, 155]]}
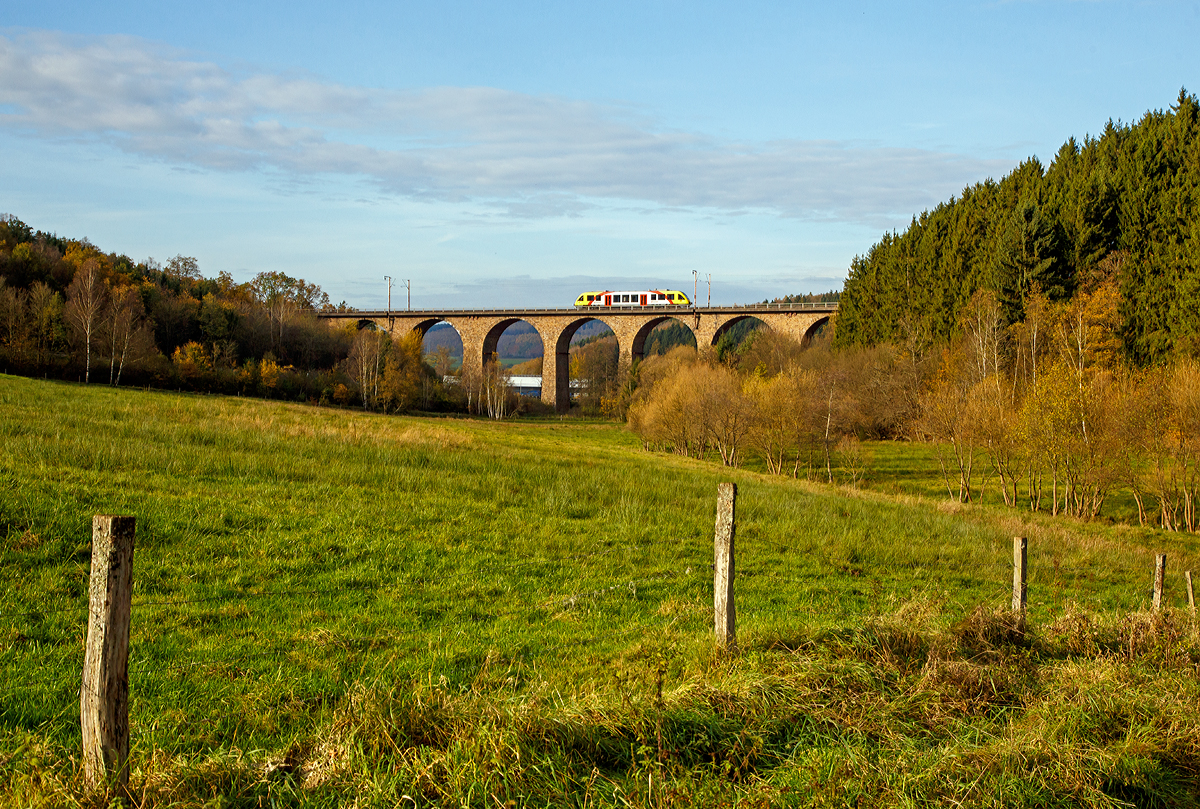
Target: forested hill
{"points": [[1117, 211]]}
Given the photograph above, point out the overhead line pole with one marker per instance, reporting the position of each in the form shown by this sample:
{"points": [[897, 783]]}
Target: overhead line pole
{"points": [[388, 278]]}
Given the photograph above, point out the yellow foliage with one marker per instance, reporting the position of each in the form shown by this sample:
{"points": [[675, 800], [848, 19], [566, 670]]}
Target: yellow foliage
{"points": [[268, 373], [404, 368], [79, 253], [192, 360]]}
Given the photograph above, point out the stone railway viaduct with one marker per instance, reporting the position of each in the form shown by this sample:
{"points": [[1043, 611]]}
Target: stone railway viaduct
{"points": [[480, 330]]}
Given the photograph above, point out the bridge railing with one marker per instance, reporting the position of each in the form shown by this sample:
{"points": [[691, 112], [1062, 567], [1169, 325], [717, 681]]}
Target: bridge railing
{"points": [[737, 307]]}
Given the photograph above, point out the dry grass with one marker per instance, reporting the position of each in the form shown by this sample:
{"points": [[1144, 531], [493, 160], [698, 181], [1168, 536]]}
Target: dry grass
{"points": [[902, 711]]}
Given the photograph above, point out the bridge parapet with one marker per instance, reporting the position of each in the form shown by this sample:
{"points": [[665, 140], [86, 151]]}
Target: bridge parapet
{"points": [[590, 311]]}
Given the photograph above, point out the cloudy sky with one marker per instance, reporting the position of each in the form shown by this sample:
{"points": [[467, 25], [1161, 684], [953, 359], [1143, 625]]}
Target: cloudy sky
{"points": [[519, 153]]}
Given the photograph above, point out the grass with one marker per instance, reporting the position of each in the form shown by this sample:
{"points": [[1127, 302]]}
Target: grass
{"points": [[333, 606], [911, 468]]}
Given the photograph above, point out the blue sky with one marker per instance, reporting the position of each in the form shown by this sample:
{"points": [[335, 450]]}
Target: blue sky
{"points": [[519, 153]]}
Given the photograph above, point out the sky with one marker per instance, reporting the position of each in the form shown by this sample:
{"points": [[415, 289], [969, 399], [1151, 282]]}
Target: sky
{"points": [[518, 154]]}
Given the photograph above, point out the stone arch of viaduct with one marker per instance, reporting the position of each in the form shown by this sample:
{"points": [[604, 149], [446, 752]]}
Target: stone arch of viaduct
{"points": [[480, 331]]}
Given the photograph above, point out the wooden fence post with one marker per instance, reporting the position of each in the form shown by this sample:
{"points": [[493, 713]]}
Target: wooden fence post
{"points": [[724, 614], [1191, 594], [1019, 591], [104, 695], [1160, 575]]}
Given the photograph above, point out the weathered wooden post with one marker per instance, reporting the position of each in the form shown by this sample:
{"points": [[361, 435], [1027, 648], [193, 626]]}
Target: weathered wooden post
{"points": [[724, 614], [1160, 575], [104, 695], [1191, 594], [1019, 592]]}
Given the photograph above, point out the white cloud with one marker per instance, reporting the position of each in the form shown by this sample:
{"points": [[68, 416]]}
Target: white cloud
{"points": [[530, 156]]}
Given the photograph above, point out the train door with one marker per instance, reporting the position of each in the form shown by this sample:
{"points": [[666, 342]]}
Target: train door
{"points": [[643, 300], [608, 300]]}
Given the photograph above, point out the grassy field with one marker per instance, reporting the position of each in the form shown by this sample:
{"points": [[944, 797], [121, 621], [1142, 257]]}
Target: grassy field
{"points": [[334, 607]]}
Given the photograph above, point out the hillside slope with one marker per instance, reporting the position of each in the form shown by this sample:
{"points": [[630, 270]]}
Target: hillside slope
{"points": [[1122, 207], [335, 606]]}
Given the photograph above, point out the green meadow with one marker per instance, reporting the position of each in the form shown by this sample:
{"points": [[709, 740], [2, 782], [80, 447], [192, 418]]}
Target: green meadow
{"points": [[332, 607]]}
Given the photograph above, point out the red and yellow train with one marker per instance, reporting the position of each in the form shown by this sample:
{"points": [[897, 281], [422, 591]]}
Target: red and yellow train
{"points": [[639, 297]]}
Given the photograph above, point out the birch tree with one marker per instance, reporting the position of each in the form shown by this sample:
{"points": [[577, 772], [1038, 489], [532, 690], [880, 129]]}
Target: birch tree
{"points": [[86, 300]]}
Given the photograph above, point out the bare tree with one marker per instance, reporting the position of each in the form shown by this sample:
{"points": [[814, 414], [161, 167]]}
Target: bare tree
{"points": [[86, 299], [123, 319], [725, 412], [984, 336], [950, 418], [443, 363], [366, 363], [13, 322]]}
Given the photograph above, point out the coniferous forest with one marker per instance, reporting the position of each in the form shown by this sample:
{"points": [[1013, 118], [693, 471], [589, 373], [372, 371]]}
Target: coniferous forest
{"points": [[1117, 213]]}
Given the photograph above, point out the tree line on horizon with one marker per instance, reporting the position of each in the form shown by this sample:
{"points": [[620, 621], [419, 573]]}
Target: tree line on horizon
{"points": [[71, 311], [1117, 211]]}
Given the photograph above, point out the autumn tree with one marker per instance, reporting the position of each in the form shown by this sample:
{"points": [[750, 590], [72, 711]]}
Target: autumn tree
{"points": [[950, 418], [182, 267], [784, 406], [1175, 479], [283, 297], [768, 352], [46, 319], [193, 363], [403, 373], [665, 416], [218, 322], [594, 368]]}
